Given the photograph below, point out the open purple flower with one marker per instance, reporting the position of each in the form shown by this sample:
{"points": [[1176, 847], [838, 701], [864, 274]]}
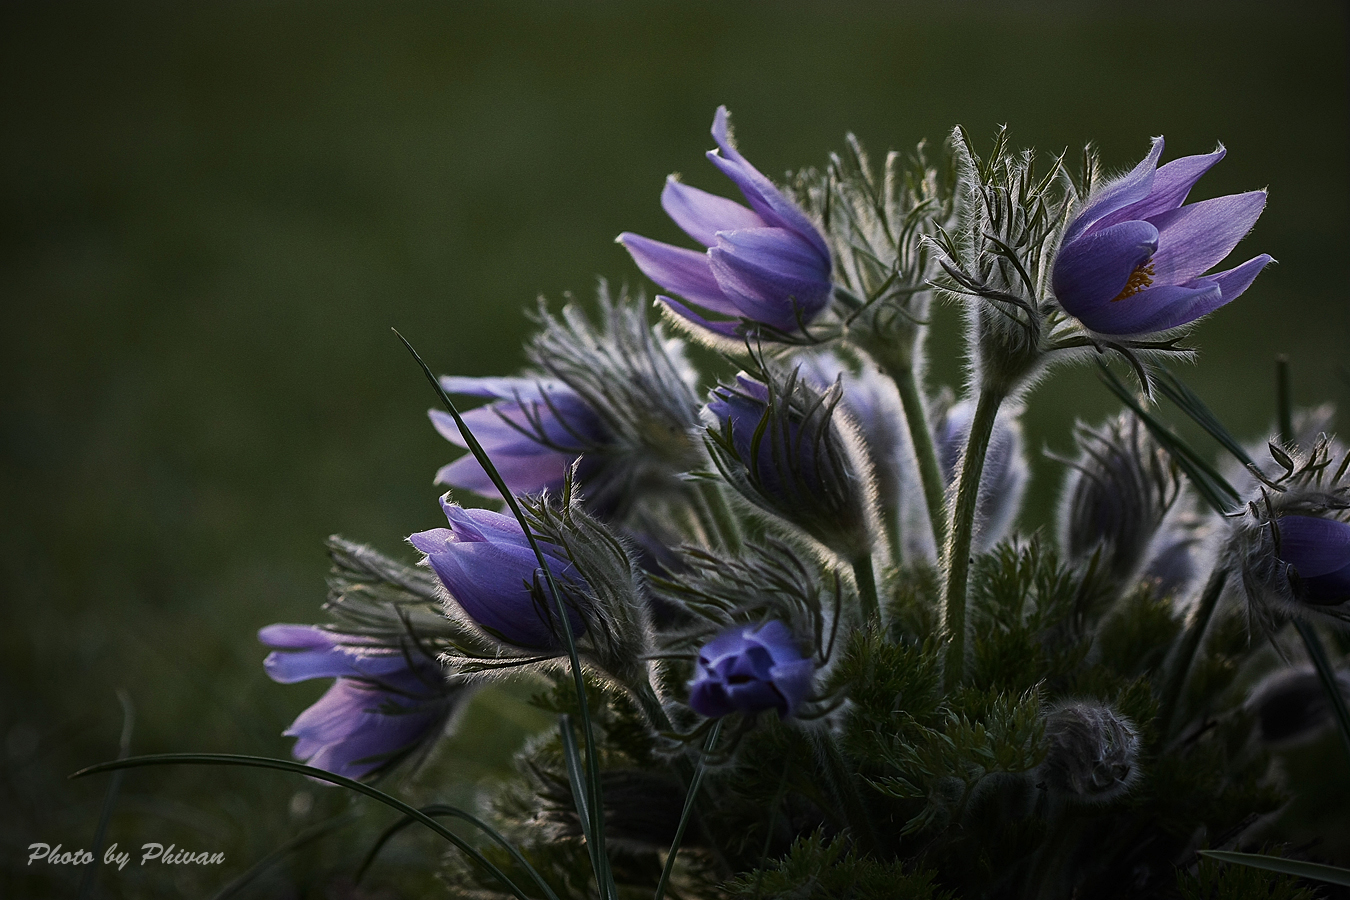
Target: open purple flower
{"points": [[748, 669], [485, 563], [385, 702], [1318, 551], [533, 433], [766, 263], [1133, 258]]}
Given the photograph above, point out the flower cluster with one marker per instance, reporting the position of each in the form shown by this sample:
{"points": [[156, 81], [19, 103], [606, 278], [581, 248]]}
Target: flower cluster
{"points": [[779, 603]]}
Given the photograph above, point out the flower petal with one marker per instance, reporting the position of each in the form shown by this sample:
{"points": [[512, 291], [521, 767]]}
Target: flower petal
{"points": [[759, 191], [702, 214], [1236, 280], [1092, 270], [793, 680], [523, 474], [1156, 309], [432, 540], [1117, 194], [501, 388], [295, 637], [771, 275], [680, 271], [725, 329], [1194, 238], [1314, 546], [1171, 185]]}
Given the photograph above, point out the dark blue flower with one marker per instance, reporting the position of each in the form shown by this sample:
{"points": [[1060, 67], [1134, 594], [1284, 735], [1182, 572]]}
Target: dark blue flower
{"points": [[766, 263], [1133, 259], [386, 700], [533, 433], [778, 445], [485, 563], [1318, 551], [748, 669]]}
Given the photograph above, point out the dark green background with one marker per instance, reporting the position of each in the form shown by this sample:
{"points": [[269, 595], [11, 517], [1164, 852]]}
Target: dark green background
{"points": [[211, 215]]}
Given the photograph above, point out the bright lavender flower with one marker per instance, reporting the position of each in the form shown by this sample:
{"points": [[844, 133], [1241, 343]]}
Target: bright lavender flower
{"points": [[1317, 552], [766, 263], [486, 564], [748, 669], [1133, 259], [384, 703], [533, 433]]}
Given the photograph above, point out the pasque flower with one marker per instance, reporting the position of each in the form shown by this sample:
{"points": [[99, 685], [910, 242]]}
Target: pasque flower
{"points": [[748, 669], [533, 432], [1317, 552], [776, 441], [1133, 259], [766, 263], [385, 702], [485, 563]]}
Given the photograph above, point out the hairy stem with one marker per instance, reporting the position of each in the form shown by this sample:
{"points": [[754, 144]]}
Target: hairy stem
{"points": [[956, 556], [925, 452], [867, 588], [724, 519], [839, 776], [1186, 650]]}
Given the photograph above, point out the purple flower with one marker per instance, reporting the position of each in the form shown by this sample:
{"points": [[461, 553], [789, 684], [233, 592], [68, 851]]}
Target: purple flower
{"points": [[750, 668], [485, 562], [1318, 552], [533, 433], [386, 700], [1133, 259], [766, 263]]}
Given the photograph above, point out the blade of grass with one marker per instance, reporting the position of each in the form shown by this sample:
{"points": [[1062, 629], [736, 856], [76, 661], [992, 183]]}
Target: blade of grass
{"points": [[90, 875], [1297, 867], [444, 809], [604, 875], [304, 838], [687, 811], [285, 765]]}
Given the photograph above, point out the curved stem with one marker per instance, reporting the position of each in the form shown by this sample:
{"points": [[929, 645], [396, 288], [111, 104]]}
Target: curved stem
{"points": [[1190, 644], [867, 589], [925, 451], [956, 556], [839, 777]]}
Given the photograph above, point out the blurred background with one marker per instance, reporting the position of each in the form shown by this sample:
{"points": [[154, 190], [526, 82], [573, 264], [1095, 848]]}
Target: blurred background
{"points": [[211, 214]]}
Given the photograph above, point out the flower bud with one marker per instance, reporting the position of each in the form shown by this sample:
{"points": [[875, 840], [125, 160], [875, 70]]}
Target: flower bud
{"points": [[1115, 497], [1291, 705], [387, 699], [777, 443], [748, 669], [1091, 754], [493, 578]]}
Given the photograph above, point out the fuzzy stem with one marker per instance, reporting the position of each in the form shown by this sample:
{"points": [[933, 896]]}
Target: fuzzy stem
{"points": [[728, 529], [1327, 675], [1186, 650], [867, 588], [899, 366], [839, 776], [957, 552]]}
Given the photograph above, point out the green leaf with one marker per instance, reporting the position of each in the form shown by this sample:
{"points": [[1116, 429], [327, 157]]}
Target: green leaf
{"points": [[1297, 867]]}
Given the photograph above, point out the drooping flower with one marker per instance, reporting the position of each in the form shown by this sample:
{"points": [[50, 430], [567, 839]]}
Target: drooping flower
{"points": [[485, 563], [777, 443], [767, 263], [1004, 478], [748, 669], [533, 432], [385, 702], [1133, 259], [1317, 552]]}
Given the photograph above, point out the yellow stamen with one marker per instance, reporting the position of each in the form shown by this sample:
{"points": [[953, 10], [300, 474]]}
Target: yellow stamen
{"points": [[1140, 278]]}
